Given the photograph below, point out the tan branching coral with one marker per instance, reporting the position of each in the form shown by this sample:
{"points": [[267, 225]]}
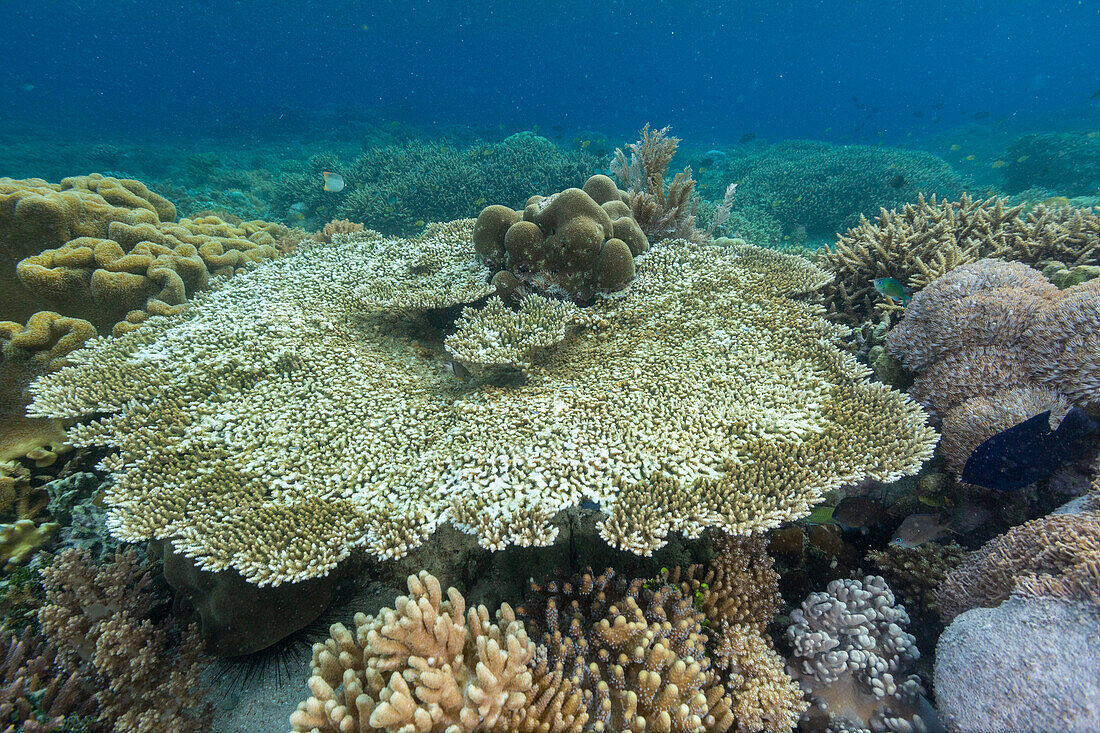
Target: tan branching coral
{"points": [[283, 422], [923, 241], [35, 696], [427, 666], [663, 212], [145, 673], [337, 227], [640, 652], [850, 653], [1055, 556], [917, 572]]}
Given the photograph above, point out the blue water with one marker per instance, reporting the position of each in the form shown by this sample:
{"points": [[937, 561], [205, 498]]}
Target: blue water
{"points": [[845, 71]]}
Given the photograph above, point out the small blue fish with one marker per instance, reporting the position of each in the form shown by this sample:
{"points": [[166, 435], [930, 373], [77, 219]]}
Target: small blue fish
{"points": [[892, 289]]}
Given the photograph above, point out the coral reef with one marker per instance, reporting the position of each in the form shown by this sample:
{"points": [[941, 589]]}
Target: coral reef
{"points": [[1027, 665], [337, 227], [572, 245], [396, 188], [993, 344], [75, 503], [641, 650], [917, 572], [925, 240], [1064, 162], [1057, 556], [850, 653], [143, 673], [663, 212], [283, 422], [427, 665], [825, 188]]}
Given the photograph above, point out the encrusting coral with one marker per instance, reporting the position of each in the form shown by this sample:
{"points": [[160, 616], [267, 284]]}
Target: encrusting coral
{"points": [[923, 241], [427, 666], [851, 653], [1056, 556], [284, 422], [109, 250]]}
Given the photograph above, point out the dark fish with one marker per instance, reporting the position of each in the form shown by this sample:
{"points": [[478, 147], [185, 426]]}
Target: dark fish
{"points": [[937, 106], [897, 181], [1029, 451], [858, 512], [589, 504], [981, 115], [918, 113], [748, 137], [1095, 95], [917, 529], [457, 368], [557, 128]]}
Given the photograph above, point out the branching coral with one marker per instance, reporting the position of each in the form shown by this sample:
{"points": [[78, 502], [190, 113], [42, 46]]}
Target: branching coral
{"points": [[850, 654], [145, 674], [283, 422], [639, 651], [35, 697], [662, 212], [428, 666], [923, 241], [1054, 556], [917, 572]]}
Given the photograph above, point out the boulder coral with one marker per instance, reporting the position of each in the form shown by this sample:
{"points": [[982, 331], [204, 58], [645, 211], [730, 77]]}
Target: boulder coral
{"points": [[299, 412], [994, 343], [572, 245]]}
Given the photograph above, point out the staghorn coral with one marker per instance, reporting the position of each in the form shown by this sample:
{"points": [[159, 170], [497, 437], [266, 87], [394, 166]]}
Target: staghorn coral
{"points": [[639, 651], [663, 212], [850, 653], [923, 241], [283, 422], [144, 672], [35, 696], [1054, 556], [918, 572], [426, 665], [572, 245]]}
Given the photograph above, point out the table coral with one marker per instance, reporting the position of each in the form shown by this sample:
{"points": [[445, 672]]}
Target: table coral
{"points": [[851, 653], [427, 665], [294, 414]]}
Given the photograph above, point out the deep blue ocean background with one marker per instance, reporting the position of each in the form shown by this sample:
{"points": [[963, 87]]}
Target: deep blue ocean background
{"points": [[845, 71]]}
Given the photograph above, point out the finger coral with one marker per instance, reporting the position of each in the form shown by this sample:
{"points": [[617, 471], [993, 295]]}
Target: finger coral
{"points": [[851, 654], [640, 652], [299, 412], [427, 665]]}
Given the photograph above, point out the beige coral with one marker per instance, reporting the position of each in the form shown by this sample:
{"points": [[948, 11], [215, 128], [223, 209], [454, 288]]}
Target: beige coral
{"points": [[428, 666], [927, 239], [289, 418], [1057, 555]]}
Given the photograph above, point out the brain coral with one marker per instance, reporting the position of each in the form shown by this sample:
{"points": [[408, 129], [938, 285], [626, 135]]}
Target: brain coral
{"points": [[299, 411]]}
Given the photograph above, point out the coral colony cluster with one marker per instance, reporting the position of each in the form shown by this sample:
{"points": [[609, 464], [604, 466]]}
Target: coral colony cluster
{"points": [[268, 418]]}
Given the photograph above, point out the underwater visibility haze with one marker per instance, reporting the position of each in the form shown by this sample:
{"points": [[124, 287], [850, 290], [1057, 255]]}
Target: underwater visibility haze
{"points": [[439, 367]]}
